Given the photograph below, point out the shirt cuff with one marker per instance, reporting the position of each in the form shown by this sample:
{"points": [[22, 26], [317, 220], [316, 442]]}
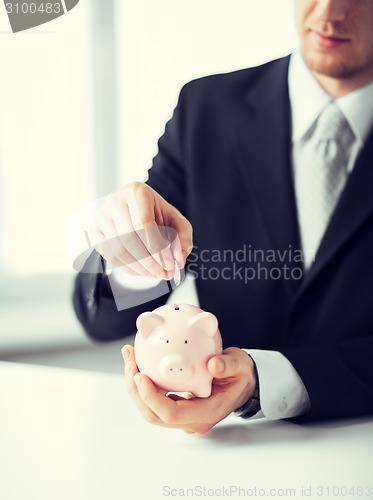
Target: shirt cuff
{"points": [[281, 390]]}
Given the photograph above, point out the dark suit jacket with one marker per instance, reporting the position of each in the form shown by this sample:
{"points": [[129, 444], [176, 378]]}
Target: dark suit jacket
{"points": [[224, 162]]}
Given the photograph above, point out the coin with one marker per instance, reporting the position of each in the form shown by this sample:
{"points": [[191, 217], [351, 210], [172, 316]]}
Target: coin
{"points": [[177, 274]]}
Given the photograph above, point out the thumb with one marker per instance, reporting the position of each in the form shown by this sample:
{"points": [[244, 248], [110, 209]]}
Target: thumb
{"points": [[228, 364], [152, 213], [182, 245]]}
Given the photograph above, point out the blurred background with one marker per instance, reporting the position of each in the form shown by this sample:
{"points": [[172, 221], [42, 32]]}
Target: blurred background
{"points": [[83, 101]]}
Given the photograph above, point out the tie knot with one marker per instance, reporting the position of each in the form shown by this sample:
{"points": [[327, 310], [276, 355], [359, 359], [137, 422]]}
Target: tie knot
{"points": [[332, 125]]}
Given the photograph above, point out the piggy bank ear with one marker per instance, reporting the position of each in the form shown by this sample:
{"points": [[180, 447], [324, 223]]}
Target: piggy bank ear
{"points": [[206, 322], [148, 321]]}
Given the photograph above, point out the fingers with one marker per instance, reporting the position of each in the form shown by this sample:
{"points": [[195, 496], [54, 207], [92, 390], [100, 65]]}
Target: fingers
{"points": [[130, 371], [149, 209], [143, 204], [121, 245], [183, 244], [152, 404], [233, 384], [128, 254], [137, 230], [159, 409], [177, 414]]}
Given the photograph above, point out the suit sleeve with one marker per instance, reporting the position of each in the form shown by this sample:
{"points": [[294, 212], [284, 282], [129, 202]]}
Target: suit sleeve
{"points": [[93, 299], [338, 378]]}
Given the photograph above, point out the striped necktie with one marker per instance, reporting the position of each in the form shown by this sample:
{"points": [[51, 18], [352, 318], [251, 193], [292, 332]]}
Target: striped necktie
{"points": [[321, 176]]}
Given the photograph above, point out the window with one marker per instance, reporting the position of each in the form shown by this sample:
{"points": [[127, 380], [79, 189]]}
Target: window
{"points": [[57, 95]]}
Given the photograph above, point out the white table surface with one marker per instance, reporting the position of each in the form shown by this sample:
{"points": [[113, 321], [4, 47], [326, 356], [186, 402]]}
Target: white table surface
{"points": [[74, 435]]}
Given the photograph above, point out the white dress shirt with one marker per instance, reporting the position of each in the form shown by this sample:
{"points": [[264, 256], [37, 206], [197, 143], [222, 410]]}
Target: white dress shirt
{"points": [[282, 392]]}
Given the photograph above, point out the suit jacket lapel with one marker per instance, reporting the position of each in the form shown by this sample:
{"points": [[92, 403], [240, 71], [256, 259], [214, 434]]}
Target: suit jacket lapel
{"points": [[264, 158]]}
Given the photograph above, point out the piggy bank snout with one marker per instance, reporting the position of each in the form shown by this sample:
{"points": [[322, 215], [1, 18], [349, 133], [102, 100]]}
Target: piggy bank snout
{"points": [[176, 367]]}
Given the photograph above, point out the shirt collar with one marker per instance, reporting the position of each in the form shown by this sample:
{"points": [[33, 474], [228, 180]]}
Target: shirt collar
{"points": [[308, 99]]}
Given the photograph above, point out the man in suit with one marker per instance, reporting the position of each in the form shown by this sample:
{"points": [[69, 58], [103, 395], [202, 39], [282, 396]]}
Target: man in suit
{"points": [[282, 229]]}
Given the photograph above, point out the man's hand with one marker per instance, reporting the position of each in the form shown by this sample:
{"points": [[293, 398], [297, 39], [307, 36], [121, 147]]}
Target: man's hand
{"points": [[138, 231], [233, 384]]}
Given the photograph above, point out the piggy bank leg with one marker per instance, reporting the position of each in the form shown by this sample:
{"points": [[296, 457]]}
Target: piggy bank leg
{"points": [[202, 392]]}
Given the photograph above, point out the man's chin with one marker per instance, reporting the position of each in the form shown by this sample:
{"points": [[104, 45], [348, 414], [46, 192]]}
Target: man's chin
{"points": [[332, 67]]}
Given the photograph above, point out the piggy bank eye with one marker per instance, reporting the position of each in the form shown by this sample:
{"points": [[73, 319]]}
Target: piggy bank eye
{"points": [[185, 341], [167, 341]]}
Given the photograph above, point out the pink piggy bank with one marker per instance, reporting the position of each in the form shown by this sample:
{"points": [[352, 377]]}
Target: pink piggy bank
{"points": [[172, 346]]}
